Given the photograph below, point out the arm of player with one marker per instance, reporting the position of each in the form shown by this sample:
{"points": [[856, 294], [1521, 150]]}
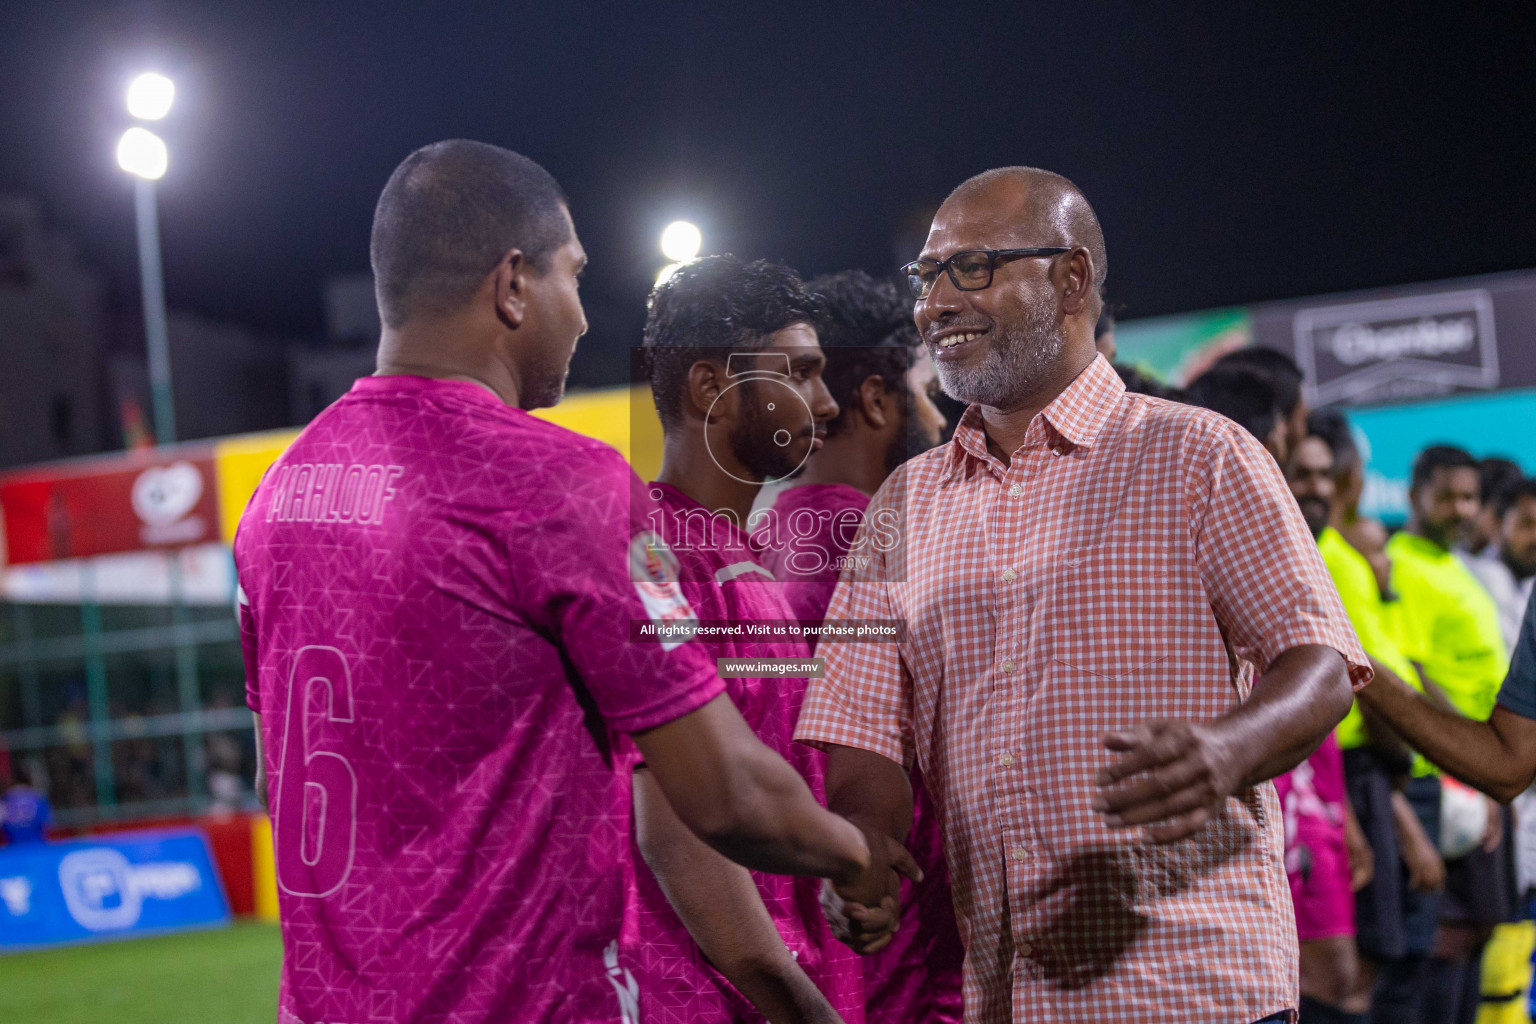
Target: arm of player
{"points": [[1497, 756], [1426, 871], [719, 904], [747, 802], [875, 793], [1434, 693], [1174, 776], [1380, 738], [261, 766], [1362, 861]]}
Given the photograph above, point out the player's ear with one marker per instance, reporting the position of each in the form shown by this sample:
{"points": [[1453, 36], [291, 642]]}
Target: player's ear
{"points": [[510, 284], [706, 383], [875, 401]]}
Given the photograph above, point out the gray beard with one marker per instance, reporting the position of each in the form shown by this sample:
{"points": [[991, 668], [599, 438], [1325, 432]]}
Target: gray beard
{"points": [[1017, 367]]}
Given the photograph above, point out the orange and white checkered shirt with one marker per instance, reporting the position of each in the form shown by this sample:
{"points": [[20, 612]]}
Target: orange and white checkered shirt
{"points": [[1136, 559]]}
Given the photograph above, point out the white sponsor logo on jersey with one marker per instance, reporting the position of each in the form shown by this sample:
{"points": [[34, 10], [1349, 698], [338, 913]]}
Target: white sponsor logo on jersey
{"points": [[653, 568]]}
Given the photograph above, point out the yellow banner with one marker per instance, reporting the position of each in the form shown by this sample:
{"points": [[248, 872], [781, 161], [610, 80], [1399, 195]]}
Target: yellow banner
{"points": [[623, 417], [238, 464]]}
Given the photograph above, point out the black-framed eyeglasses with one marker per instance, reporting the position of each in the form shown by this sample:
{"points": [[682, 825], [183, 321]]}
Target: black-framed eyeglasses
{"points": [[971, 270]]}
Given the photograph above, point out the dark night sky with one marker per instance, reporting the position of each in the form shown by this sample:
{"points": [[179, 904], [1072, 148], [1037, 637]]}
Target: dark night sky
{"points": [[1232, 155]]}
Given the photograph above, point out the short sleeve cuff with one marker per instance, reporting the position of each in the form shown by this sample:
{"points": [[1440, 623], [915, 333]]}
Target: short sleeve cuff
{"points": [[704, 687], [825, 722], [1524, 708], [1359, 665], [1518, 694], [827, 738]]}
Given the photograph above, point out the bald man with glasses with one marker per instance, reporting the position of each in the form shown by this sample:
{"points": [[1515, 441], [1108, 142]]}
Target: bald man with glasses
{"points": [[1118, 630]]}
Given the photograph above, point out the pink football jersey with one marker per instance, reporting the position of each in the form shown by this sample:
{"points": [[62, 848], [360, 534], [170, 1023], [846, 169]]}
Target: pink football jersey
{"points": [[436, 598], [722, 581]]}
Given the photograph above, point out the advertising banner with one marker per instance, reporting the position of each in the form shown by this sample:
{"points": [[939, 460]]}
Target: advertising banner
{"points": [[143, 500], [1442, 362], [1179, 348], [1392, 435], [119, 887], [1467, 336], [1362, 352], [193, 494]]}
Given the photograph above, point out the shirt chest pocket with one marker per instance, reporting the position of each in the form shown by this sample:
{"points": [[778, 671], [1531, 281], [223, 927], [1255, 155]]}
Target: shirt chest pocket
{"points": [[1108, 619]]}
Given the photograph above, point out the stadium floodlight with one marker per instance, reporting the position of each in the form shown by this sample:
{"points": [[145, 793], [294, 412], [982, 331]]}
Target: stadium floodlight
{"points": [[142, 152], [150, 96], [681, 241]]}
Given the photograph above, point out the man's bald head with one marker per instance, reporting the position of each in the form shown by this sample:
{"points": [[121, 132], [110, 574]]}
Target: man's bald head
{"points": [[1048, 207], [1006, 339], [448, 215]]}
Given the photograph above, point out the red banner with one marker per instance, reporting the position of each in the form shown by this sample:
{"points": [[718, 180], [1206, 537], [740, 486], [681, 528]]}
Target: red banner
{"points": [[147, 499]]}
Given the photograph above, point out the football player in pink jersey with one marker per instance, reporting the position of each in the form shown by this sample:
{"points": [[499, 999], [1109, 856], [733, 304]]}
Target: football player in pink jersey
{"points": [[735, 369], [437, 596], [881, 376]]}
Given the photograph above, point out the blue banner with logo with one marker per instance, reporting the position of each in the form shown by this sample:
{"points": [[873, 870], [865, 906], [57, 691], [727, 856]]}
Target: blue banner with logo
{"points": [[115, 887], [1391, 436]]}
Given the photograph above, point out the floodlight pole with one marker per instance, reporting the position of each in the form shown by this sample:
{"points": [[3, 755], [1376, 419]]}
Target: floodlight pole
{"points": [[152, 284]]}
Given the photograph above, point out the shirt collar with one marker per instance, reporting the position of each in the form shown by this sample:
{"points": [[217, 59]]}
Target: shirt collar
{"points": [[1076, 416]]}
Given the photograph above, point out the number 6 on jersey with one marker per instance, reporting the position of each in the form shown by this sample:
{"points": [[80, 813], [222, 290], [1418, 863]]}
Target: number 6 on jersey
{"points": [[314, 812]]}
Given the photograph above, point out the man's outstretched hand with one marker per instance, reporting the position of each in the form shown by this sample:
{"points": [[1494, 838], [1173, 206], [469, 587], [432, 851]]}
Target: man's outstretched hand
{"points": [[864, 910], [1171, 776]]}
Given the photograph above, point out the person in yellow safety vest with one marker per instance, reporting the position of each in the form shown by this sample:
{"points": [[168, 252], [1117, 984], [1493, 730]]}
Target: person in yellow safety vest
{"points": [[1450, 629], [1397, 909]]}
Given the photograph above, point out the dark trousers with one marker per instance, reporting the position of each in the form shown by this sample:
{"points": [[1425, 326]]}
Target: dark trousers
{"points": [[1400, 987]]}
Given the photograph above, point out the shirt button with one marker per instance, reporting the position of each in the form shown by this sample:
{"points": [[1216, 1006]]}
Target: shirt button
{"points": [[1009, 575], [1006, 666], [1025, 949], [1019, 853], [1056, 452], [1015, 491], [1005, 759]]}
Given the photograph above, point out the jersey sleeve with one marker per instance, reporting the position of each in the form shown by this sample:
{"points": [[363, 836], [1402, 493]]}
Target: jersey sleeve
{"points": [[589, 566], [1267, 584], [248, 649], [1518, 694]]}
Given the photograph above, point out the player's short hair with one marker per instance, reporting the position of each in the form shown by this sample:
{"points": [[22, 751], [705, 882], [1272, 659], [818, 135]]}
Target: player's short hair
{"points": [[1437, 457], [1248, 399], [1278, 368], [710, 307], [447, 216], [1332, 427], [1509, 496], [1495, 473], [868, 331]]}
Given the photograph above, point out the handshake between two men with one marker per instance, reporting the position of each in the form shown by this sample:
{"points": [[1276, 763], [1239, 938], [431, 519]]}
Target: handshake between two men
{"points": [[1171, 777]]}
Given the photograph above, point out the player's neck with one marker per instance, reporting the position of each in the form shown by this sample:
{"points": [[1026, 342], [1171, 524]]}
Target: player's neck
{"points": [[1418, 529], [693, 470], [847, 458], [447, 350]]}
